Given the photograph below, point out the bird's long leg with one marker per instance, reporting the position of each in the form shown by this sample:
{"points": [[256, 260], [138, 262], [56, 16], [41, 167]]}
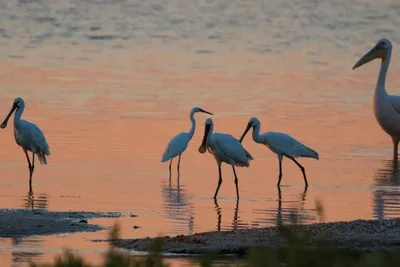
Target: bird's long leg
{"points": [[30, 168], [302, 170], [179, 163], [170, 163], [219, 181], [236, 182], [280, 157], [33, 162], [395, 147]]}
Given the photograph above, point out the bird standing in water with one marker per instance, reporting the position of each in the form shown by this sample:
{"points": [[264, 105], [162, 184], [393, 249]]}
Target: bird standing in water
{"points": [[28, 136], [224, 148], [386, 107], [178, 144], [282, 145]]}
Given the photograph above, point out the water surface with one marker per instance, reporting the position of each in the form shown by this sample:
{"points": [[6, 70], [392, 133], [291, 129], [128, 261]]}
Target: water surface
{"points": [[109, 82]]}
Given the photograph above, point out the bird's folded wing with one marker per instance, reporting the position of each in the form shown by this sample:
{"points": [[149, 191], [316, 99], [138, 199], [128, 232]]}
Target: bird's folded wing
{"points": [[395, 100], [231, 147], [38, 139]]}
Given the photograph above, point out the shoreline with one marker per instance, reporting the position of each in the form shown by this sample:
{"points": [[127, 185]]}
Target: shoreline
{"points": [[361, 235], [21, 223]]}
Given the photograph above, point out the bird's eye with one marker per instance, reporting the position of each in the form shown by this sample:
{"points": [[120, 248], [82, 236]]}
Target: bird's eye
{"points": [[382, 44]]}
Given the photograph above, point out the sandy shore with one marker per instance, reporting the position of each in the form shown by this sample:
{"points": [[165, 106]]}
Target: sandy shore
{"points": [[367, 235], [20, 223]]}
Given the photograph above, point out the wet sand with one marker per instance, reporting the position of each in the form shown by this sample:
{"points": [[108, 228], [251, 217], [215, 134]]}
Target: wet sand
{"points": [[365, 235], [21, 223]]}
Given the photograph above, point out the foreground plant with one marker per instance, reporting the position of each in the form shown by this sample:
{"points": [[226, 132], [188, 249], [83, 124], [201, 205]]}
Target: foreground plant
{"points": [[296, 253]]}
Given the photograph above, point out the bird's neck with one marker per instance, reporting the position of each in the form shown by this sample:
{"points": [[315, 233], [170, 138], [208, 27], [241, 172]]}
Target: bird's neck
{"points": [[256, 134], [193, 128], [17, 115], [383, 72]]}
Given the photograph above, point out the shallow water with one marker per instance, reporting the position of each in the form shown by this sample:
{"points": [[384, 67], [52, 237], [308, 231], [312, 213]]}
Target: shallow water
{"points": [[109, 82]]}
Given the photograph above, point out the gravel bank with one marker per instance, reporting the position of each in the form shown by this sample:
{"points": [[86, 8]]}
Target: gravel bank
{"points": [[366, 235], [20, 223]]}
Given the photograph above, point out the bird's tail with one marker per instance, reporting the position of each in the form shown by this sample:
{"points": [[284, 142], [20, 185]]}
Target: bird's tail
{"points": [[249, 156], [42, 158], [165, 157], [311, 153]]}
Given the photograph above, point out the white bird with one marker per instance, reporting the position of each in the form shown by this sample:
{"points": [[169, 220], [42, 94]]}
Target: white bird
{"points": [[224, 148], [282, 145], [386, 107], [178, 144], [28, 136]]}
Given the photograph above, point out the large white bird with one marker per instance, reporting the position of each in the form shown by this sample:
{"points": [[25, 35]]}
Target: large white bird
{"points": [[178, 144], [28, 136], [386, 107], [282, 145], [224, 148]]}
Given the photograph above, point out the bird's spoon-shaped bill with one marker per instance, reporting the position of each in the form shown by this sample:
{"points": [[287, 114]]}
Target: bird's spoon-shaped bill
{"points": [[203, 145], [4, 123]]}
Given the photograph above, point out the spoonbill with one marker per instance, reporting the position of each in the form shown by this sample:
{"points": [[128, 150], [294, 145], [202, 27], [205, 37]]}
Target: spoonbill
{"points": [[386, 107], [224, 148], [28, 136], [282, 145], [178, 144]]}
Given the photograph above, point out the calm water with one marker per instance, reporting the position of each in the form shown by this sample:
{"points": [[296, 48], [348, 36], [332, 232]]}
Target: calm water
{"points": [[109, 82]]}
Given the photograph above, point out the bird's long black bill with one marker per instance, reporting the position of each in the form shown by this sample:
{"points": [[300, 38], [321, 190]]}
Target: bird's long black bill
{"points": [[203, 146], [371, 55], [245, 132], [4, 123], [204, 111]]}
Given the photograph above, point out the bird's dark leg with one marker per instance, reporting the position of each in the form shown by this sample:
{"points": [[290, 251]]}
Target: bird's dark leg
{"points": [[30, 168], [170, 163], [33, 161], [179, 163], [219, 181], [280, 170], [395, 147], [302, 170], [236, 182]]}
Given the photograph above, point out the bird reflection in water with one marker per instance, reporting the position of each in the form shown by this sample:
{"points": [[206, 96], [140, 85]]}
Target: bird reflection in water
{"points": [[235, 222], [38, 203], [22, 253], [178, 208], [387, 194], [285, 215]]}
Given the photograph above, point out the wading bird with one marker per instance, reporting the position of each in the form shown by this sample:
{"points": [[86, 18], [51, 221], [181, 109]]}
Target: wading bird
{"points": [[224, 148], [28, 136], [386, 107], [282, 145], [178, 144]]}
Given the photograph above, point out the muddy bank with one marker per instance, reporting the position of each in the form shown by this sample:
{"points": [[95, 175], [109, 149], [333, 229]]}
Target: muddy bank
{"points": [[20, 223], [367, 235]]}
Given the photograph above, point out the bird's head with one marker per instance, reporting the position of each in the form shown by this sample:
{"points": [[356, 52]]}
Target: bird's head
{"points": [[197, 109], [253, 122], [380, 50], [207, 131], [17, 104]]}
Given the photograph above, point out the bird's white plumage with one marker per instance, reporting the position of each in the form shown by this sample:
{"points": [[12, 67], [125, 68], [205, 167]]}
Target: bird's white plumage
{"points": [[176, 146], [228, 149], [31, 138], [224, 148], [386, 107], [28, 136], [281, 143]]}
